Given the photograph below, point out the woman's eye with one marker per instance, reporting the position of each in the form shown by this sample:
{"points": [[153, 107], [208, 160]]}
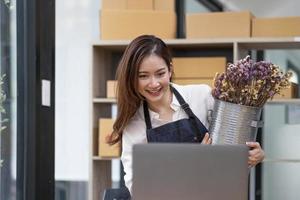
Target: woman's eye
{"points": [[142, 76], [161, 74]]}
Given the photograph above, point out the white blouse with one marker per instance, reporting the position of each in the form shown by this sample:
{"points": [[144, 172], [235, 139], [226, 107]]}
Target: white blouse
{"points": [[200, 101]]}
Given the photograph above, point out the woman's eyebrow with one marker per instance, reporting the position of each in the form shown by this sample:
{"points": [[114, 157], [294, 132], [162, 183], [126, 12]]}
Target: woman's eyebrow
{"points": [[141, 72], [161, 69]]}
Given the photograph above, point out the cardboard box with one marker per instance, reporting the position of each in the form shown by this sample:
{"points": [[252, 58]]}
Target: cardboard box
{"points": [[140, 4], [125, 24], [184, 81], [105, 129], [111, 86], [288, 93], [198, 67], [166, 5], [276, 27], [114, 4], [218, 25]]}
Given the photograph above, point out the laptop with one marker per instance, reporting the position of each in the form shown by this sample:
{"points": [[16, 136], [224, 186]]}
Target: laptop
{"points": [[190, 171]]}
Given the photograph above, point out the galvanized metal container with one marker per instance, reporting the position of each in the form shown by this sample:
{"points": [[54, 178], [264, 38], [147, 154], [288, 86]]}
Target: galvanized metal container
{"points": [[233, 123]]}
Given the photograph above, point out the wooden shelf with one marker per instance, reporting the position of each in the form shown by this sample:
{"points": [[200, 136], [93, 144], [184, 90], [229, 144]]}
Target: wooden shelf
{"points": [[172, 43], [249, 43], [285, 101], [111, 43], [270, 43], [104, 100], [98, 158], [279, 160]]}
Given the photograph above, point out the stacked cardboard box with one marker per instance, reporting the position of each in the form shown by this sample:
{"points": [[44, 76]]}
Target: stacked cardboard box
{"points": [[127, 19], [218, 25], [288, 93], [197, 70], [206, 81], [105, 129], [276, 27], [111, 86]]}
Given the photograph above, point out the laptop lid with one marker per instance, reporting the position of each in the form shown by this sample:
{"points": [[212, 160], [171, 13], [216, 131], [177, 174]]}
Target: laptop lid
{"points": [[190, 171]]}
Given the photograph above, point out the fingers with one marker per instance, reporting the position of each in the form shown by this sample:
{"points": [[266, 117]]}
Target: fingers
{"points": [[209, 141], [253, 144], [206, 139], [251, 161], [252, 158], [256, 154]]}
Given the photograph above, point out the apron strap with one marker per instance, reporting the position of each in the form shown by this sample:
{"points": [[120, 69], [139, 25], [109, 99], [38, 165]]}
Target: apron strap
{"points": [[189, 112], [146, 115], [182, 103]]}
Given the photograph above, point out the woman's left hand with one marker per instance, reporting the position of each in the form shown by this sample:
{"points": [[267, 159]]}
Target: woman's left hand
{"points": [[256, 154]]}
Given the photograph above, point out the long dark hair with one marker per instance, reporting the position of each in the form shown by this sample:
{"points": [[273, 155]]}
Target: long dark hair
{"points": [[128, 98]]}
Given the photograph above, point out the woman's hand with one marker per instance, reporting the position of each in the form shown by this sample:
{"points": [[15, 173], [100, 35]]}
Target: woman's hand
{"points": [[256, 154], [206, 139]]}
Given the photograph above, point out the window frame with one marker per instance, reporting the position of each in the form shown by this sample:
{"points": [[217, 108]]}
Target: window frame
{"points": [[35, 122]]}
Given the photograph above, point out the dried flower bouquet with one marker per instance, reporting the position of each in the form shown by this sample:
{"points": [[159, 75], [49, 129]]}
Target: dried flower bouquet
{"points": [[250, 83]]}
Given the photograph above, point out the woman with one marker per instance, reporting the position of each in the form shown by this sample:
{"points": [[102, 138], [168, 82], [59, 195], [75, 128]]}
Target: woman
{"points": [[153, 109]]}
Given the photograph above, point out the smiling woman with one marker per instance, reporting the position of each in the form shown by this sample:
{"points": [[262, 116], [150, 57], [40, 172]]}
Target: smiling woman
{"points": [[160, 111]]}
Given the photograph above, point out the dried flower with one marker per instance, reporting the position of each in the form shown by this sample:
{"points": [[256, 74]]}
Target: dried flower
{"points": [[250, 83]]}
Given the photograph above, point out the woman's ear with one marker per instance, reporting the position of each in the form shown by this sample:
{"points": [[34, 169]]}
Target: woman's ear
{"points": [[171, 70]]}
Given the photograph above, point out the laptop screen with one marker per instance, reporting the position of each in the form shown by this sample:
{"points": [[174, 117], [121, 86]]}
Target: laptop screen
{"points": [[190, 171]]}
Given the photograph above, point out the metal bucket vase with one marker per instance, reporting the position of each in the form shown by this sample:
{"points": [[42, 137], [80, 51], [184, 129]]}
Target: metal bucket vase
{"points": [[233, 123]]}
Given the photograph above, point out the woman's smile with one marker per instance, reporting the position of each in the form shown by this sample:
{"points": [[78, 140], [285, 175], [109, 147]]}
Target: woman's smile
{"points": [[155, 92]]}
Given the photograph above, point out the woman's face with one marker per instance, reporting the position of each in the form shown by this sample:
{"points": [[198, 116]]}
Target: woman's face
{"points": [[153, 78]]}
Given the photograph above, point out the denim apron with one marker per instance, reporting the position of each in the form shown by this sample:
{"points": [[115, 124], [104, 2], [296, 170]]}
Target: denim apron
{"points": [[190, 130]]}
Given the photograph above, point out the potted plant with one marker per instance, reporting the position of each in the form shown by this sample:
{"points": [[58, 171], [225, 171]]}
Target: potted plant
{"points": [[240, 94]]}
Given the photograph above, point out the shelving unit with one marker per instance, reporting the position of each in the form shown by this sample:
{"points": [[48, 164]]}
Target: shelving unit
{"points": [[104, 100], [285, 101], [106, 55]]}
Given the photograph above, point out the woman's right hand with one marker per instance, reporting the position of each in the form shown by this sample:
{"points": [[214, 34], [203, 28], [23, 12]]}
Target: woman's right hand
{"points": [[206, 139]]}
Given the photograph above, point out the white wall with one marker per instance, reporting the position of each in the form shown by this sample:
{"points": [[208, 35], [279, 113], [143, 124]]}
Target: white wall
{"points": [[76, 28]]}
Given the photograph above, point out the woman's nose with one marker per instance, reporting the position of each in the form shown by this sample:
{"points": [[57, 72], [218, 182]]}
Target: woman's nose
{"points": [[153, 82]]}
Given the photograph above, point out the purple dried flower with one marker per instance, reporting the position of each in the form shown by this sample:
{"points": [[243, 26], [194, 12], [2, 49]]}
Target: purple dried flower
{"points": [[250, 83]]}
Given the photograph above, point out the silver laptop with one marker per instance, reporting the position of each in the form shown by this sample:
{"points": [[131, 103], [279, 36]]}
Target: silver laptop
{"points": [[190, 171]]}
